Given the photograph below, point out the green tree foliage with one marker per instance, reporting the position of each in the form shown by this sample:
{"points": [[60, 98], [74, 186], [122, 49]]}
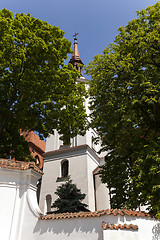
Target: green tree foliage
{"points": [[125, 101], [69, 198], [37, 91]]}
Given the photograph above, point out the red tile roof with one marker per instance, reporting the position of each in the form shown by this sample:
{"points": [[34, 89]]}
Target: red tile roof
{"points": [[33, 138], [119, 226], [10, 164], [95, 214]]}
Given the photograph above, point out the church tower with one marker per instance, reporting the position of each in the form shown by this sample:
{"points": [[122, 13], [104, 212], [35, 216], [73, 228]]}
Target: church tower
{"points": [[80, 160]]}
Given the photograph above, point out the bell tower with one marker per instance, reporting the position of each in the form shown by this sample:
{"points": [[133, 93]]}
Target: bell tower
{"points": [[80, 160]]}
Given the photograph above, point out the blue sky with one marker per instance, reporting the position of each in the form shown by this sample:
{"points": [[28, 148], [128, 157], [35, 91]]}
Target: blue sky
{"points": [[96, 21]]}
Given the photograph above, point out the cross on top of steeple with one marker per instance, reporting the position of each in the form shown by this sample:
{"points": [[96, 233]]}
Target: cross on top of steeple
{"points": [[75, 35]]}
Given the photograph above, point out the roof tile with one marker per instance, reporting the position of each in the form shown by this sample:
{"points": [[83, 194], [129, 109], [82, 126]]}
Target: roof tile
{"points": [[17, 165], [119, 226], [114, 212]]}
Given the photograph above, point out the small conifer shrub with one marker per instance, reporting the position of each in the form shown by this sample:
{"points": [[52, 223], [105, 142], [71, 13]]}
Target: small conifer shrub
{"points": [[69, 198]]}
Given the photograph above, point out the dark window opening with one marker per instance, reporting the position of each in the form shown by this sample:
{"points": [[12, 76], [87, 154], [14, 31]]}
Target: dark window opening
{"points": [[48, 202], [64, 168]]}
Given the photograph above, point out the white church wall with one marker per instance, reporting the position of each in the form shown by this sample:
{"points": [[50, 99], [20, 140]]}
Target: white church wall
{"points": [[52, 173], [90, 228], [82, 162], [148, 229], [81, 140], [92, 163], [8, 193], [49, 184], [18, 202], [78, 172], [72, 229], [120, 235], [102, 194], [53, 142]]}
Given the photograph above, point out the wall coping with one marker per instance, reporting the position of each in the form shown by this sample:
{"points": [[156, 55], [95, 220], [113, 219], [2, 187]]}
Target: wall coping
{"points": [[114, 212], [18, 165]]}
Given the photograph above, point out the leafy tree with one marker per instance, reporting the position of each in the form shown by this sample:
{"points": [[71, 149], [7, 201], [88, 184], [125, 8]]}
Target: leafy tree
{"points": [[69, 199], [37, 91], [125, 101]]}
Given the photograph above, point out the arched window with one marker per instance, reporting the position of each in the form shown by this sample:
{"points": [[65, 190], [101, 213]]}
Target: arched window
{"points": [[48, 202], [64, 168], [37, 160]]}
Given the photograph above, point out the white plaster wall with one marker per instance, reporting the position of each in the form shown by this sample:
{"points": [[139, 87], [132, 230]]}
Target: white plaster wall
{"points": [[7, 203], [29, 217], [120, 235], [91, 229], [91, 165], [18, 201], [52, 170], [49, 184], [53, 142], [81, 140], [78, 173], [72, 229], [82, 162], [87, 139], [13, 192], [102, 194]]}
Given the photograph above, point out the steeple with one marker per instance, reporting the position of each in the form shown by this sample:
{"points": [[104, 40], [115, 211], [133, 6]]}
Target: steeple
{"points": [[75, 59]]}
